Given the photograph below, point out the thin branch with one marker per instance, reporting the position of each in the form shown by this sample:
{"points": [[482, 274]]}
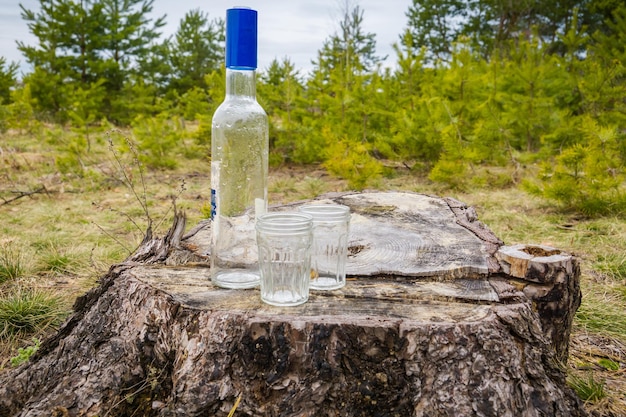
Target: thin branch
{"points": [[174, 198], [232, 411], [126, 179], [114, 210], [140, 168], [138, 388], [112, 237], [21, 194]]}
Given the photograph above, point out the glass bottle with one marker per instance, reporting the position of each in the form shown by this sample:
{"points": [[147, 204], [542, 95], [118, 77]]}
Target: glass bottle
{"points": [[239, 159]]}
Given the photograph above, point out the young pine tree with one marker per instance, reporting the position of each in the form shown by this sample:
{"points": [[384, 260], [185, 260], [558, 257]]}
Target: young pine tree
{"points": [[281, 95], [588, 176], [195, 50], [8, 80], [82, 43], [340, 88]]}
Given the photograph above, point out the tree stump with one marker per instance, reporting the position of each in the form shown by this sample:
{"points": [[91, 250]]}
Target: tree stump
{"points": [[438, 319]]}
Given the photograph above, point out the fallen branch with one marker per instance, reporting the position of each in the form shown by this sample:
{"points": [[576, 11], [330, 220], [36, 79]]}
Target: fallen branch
{"points": [[21, 194]]}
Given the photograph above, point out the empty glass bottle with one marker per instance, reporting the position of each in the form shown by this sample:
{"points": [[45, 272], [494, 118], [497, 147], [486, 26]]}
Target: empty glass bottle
{"points": [[239, 159]]}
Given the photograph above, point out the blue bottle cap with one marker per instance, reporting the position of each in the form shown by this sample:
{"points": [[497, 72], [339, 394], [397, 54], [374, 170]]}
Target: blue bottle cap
{"points": [[241, 39]]}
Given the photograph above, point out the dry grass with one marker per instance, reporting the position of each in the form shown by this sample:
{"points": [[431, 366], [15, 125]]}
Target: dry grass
{"points": [[66, 235]]}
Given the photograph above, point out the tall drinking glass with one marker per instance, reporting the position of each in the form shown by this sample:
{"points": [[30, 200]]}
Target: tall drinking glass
{"points": [[284, 242], [331, 223]]}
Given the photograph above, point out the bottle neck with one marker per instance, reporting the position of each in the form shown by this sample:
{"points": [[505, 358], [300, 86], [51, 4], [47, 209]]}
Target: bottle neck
{"points": [[241, 83]]}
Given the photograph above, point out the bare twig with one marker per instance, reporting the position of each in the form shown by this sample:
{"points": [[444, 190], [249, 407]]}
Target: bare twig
{"points": [[127, 180], [174, 198], [128, 217], [113, 237], [22, 194], [232, 411], [140, 168], [139, 387]]}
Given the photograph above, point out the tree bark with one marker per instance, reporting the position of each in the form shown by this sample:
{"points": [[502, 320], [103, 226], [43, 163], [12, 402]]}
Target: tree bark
{"points": [[438, 318]]}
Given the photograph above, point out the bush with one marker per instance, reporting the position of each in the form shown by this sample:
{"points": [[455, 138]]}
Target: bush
{"points": [[353, 162]]}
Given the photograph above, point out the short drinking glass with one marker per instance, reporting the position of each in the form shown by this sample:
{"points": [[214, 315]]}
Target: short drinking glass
{"points": [[284, 242], [331, 224]]}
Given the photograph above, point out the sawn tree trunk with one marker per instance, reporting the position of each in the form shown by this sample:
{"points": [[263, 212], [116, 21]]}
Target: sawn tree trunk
{"points": [[438, 318]]}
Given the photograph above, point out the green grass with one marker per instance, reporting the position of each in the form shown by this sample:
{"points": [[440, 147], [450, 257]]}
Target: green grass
{"points": [[587, 388], [602, 311], [60, 259], [609, 365], [25, 311], [282, 185], [311, 187], [12, 262], [612, 264]]}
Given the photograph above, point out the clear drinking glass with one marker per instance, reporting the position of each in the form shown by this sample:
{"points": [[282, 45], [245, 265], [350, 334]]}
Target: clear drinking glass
{"points": [[331, 223], [284, 244]]}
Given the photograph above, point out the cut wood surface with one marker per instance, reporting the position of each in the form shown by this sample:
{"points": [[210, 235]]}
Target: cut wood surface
{"points": [[404, 234], [438, 318]]}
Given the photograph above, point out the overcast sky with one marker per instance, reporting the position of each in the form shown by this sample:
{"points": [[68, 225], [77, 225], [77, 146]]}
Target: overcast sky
{"points": [[287, 28]]}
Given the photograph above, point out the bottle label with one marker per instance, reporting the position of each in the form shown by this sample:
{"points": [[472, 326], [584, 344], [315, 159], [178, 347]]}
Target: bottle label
{"points": [[213, 203], [215, 183]]}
